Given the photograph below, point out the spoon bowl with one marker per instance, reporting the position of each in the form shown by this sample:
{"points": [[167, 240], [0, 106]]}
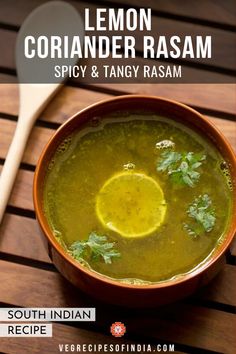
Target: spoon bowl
{"points": [[37, 81]]}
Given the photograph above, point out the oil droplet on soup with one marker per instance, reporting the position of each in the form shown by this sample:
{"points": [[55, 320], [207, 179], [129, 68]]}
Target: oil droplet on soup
{"points": [[104, 179]]}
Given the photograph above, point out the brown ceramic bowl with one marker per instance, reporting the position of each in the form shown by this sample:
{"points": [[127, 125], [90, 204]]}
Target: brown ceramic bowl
{"points": [[100, 286]]}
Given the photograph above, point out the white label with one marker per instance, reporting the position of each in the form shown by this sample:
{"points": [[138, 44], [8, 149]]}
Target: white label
{"points": [[48, 314], [26, 330]]}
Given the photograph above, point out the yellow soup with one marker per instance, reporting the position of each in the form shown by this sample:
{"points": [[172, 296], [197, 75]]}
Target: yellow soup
{"points": [[138, 198]]}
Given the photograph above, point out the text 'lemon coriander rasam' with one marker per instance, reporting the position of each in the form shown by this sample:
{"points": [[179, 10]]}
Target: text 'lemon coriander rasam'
{"points": [[131, 204]]}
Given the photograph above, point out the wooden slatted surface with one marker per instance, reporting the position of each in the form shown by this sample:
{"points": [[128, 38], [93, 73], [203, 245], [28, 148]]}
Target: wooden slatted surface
{"points": [[162, 26], [205, 323]]}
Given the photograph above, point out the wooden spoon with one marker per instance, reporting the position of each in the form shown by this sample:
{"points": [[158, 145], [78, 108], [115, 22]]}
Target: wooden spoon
{"points": [[36, 84]]}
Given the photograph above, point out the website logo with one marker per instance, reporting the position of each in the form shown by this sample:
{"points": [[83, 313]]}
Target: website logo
{"points": [[118, 329]]}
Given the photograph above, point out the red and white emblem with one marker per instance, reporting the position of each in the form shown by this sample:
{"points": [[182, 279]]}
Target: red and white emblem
{"points": [[118, 329]]}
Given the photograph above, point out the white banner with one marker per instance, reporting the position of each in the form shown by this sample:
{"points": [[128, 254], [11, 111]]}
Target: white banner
{"points": [[25, 330], [47, 314]]}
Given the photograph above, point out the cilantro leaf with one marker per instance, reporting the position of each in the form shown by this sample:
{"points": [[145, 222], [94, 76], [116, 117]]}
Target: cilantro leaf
{"points": [[181, 167], [168, 159], [202, 212], [94, 248]]}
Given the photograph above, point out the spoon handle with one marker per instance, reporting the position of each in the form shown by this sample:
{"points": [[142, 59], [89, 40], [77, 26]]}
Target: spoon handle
{"points": [[12, 162], [33, 99]]}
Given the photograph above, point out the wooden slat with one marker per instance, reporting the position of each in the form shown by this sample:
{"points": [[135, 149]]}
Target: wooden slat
{"points": [[184, 324], [44, 288], [233, 248], [222, 289], [8, 79], [70, 99], [210, 96], [17, 233], [36, 143], [7, 59], [67, 102], [228, 128], [222, 40], [21, 195], [210, 10]]}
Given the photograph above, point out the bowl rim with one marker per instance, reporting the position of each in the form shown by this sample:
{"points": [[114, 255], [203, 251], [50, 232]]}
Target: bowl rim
{"points": [[212, 258]]}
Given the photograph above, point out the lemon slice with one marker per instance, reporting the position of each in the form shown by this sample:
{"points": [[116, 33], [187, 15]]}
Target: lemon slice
{"points": [[132, 204]]}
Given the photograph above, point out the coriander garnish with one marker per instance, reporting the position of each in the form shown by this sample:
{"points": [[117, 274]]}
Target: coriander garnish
{"points": [[181, 167], [94, 248], [202, 212]]}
